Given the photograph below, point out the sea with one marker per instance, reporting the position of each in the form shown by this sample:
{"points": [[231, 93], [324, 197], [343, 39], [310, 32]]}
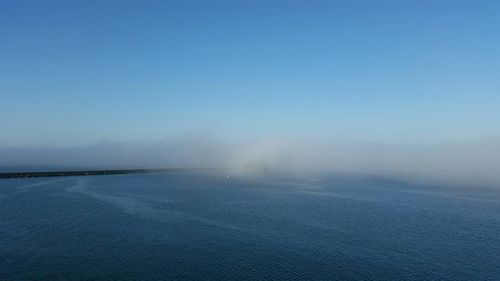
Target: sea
{"points": [[213, 226]]}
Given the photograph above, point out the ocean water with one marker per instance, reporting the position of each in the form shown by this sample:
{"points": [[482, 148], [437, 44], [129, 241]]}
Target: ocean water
{"points": [[188, 226]]}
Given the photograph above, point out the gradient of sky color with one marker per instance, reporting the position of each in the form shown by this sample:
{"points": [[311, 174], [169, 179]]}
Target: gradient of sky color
{"points": [[82, 72]]}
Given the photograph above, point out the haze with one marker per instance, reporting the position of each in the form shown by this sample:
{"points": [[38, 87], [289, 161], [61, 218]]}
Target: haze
{"points": [[400, 88]]}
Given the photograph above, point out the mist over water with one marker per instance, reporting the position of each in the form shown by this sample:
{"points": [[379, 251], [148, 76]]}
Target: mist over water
{"points": [[327, 140], [468, 162]]}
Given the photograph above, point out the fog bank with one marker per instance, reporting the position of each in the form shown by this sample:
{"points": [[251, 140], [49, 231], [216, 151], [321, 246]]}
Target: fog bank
{"points": [[473, 162]]}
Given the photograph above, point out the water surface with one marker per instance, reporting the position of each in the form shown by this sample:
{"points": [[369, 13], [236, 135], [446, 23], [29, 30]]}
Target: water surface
{"points": [[186, 226]]}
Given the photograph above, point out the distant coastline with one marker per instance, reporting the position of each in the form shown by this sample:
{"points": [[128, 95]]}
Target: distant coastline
{"points": [[84, 173]]}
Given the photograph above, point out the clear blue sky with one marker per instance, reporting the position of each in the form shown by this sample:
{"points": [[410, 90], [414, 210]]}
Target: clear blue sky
{"points": [[79, 72]]}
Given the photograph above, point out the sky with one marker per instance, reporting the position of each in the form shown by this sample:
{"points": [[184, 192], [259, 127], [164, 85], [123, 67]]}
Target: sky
{"points": [[405, 75]]}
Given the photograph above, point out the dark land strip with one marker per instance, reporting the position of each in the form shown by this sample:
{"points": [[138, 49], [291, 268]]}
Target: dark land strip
{"points": [[85, 173]]}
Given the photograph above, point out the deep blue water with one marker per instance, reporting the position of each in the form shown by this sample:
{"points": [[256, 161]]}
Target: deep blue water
{"points": [[182, 226]]}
